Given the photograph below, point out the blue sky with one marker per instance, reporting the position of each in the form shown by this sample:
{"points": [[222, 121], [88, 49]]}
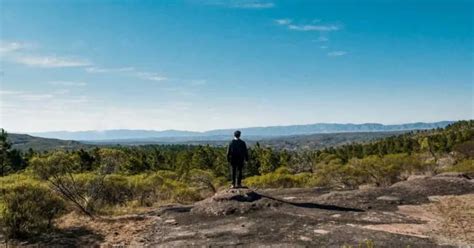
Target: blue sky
{"points": [[199, 65]]}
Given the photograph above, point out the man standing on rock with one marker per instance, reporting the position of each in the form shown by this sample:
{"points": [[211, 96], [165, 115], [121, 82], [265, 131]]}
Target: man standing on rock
{"points": [[237, 154]]}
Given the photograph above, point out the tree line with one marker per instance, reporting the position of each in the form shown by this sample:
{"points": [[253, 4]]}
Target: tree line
{"points": [[184, 158]]}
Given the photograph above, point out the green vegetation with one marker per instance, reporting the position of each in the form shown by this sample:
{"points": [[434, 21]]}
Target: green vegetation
{"points": [[99, 181], [29, 208]]}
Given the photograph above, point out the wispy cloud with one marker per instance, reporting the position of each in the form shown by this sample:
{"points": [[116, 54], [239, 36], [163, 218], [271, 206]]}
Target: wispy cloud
{"points": [[28, 96], [67, 83], [321, 39], [9, 92], [283, 21], [16, 52], [49, 61], [150, 76], [130, 71], [8, 47], [108, 70], [337, 53], [307, 27], [313, 27], [35, 97], [244, 4], [255, 5]]}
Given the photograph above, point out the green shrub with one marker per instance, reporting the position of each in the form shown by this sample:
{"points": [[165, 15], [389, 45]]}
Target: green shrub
{"points": [[466, 166], [29, 209], [204, 180], [115, 190], [281, 179], [167, 174], [145, 188], [161, 186], [186, 195]]}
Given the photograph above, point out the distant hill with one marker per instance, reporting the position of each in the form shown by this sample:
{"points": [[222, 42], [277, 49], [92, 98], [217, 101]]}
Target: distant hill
{"points": [[24, 142], [251, 133], [294, 142]]}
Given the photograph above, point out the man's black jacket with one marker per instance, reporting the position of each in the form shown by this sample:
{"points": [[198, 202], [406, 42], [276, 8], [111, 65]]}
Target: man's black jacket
{"points": [[237, 152]]}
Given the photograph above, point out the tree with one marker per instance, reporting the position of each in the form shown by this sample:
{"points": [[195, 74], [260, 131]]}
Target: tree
{"points": [[86, 160], [5, 147], [58, 169]]}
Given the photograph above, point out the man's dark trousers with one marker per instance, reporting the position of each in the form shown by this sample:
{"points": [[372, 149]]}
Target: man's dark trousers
{"points": [[236, 168]]}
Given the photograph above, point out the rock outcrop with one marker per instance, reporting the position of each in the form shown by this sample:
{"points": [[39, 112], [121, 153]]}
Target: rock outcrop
{"points": [[234, 201]]}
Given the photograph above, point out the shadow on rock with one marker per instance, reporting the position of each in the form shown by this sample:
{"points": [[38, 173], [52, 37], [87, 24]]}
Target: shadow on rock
{"points": [[69, 237], [240, 201], [315, 205]]}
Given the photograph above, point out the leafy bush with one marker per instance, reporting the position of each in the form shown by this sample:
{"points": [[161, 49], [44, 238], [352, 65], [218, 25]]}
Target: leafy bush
{"points": [[57, 169], [115, 190], [466, 166], [281, 178], [203, 180], [148, 189], [29, 209], [186, 195]]}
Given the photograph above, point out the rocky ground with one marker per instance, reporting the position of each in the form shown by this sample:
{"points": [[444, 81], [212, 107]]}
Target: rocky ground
{"points": [[421, 212]]}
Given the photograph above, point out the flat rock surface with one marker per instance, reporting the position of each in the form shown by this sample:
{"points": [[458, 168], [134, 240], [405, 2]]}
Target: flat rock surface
{"points": [[405, 214], [307, 217]]}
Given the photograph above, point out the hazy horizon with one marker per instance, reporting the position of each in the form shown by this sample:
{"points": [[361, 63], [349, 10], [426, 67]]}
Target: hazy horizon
{"points": [[214, 64], [229, 128]]}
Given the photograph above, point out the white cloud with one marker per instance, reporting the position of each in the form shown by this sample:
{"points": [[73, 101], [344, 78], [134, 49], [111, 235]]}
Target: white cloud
{"points": [[67, 83], [35, 97], [50, 61], [313, 27], [15, 52], [283, 21], [255, 5], [9, 92], [130, 71], [337, 53], [307, 27], [243, 4], [150, 76], [108, 70], [8, 47]]}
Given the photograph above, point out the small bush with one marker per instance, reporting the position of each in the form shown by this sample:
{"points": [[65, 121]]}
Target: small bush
{"points": [[466, 166], [186, 195], [29, 209], [161, 186], [281, 179], [203, 180], [115, 190]]}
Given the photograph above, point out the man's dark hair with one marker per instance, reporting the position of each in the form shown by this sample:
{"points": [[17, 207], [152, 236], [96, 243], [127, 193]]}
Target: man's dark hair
{"points": [[237, 134]]}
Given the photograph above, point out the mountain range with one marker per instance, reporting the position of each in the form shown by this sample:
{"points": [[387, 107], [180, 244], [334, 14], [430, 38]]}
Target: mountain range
{"points": [[250, 133]]}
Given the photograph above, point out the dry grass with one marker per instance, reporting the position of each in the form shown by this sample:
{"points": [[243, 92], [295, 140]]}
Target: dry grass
{"points": [[121, 230], [456, 217], [447, 220]]}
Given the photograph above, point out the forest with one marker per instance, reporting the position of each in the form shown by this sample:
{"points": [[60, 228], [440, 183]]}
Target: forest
{"points": [[37, 187]]}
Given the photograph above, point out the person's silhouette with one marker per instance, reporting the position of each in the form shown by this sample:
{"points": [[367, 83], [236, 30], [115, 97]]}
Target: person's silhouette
{"points": [[237, 154]]}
